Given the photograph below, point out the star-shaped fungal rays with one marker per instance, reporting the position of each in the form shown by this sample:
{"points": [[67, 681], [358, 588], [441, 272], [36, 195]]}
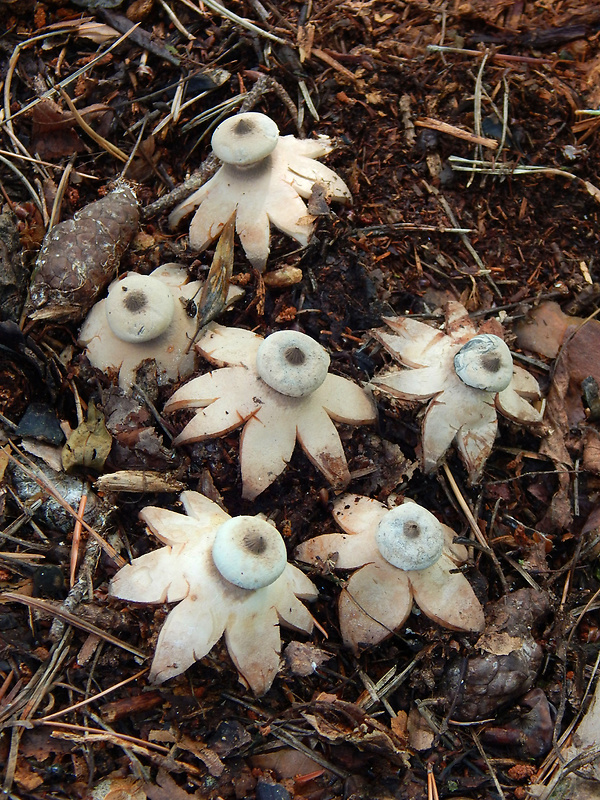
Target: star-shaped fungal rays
{"points": [[228, 575], [398, 555], [279, 389], [465, 377], [262, 181]]}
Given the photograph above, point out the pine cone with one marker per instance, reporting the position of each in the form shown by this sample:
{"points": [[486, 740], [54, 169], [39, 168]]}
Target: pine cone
{"points": [[510, 661], [79, 257]]}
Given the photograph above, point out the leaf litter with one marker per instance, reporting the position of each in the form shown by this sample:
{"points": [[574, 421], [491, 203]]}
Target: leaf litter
{"points": [[469, 139]]}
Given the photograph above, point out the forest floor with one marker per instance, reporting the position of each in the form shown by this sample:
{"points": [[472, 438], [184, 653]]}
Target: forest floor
{"points": [[463, 132]]}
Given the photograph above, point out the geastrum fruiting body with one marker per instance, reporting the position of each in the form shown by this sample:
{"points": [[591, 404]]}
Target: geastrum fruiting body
{"points": [[467, 377], [280, 389], [399, 554], [144, 317], [228, 575], [263, 180]]}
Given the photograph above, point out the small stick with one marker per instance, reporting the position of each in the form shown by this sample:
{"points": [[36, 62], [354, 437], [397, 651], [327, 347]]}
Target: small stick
{"points": [[331, 62], [77, 539], [53, 609], [459, 133], [6, 684], [436, 48], [432, 792], [489, 766], [93, 699]]}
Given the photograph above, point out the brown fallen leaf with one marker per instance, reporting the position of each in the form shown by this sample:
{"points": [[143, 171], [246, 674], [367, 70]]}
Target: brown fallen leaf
{"points": [[286, 763], [420, 735], [53, 133], [302, 658], [342, 722], [166, 789], [578, 360], [118, 789], [545, 329]]}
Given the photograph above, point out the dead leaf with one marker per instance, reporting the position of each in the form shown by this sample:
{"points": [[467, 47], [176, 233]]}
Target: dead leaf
{"points": [[579, 359], [53, 133], [338, 721], [167, 789], [211, 760], [304, 40], [26, 778], [286, 763], [89, 444], [420, 735], [304, 659], [118, 789], [545, 328], [213, 297], [499, 643]]}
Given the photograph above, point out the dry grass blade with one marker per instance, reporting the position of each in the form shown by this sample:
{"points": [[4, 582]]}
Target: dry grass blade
{"points": [[465, 508], [176, 21], [104, 143], [56, 611], [60, 193], [373, 692], [21, 556], [25, 182], [41, 162], [432, 792], [459, 164], [28, 700], [493, 56], [241, 21], [86, 734]]}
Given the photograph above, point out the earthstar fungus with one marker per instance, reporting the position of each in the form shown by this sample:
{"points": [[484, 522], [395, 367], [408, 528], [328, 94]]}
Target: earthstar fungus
{"points": [[279, 389], [229, 575], [144, 317], [465, 376], [263, 180], [398, 555]]}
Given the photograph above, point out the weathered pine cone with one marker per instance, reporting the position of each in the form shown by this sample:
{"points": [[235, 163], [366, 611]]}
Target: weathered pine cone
{"points": [[510, 661], [80, 256]]}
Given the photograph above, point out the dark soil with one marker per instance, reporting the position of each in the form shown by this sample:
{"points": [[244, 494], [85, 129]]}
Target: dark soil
{"points": [[383, 92]]}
